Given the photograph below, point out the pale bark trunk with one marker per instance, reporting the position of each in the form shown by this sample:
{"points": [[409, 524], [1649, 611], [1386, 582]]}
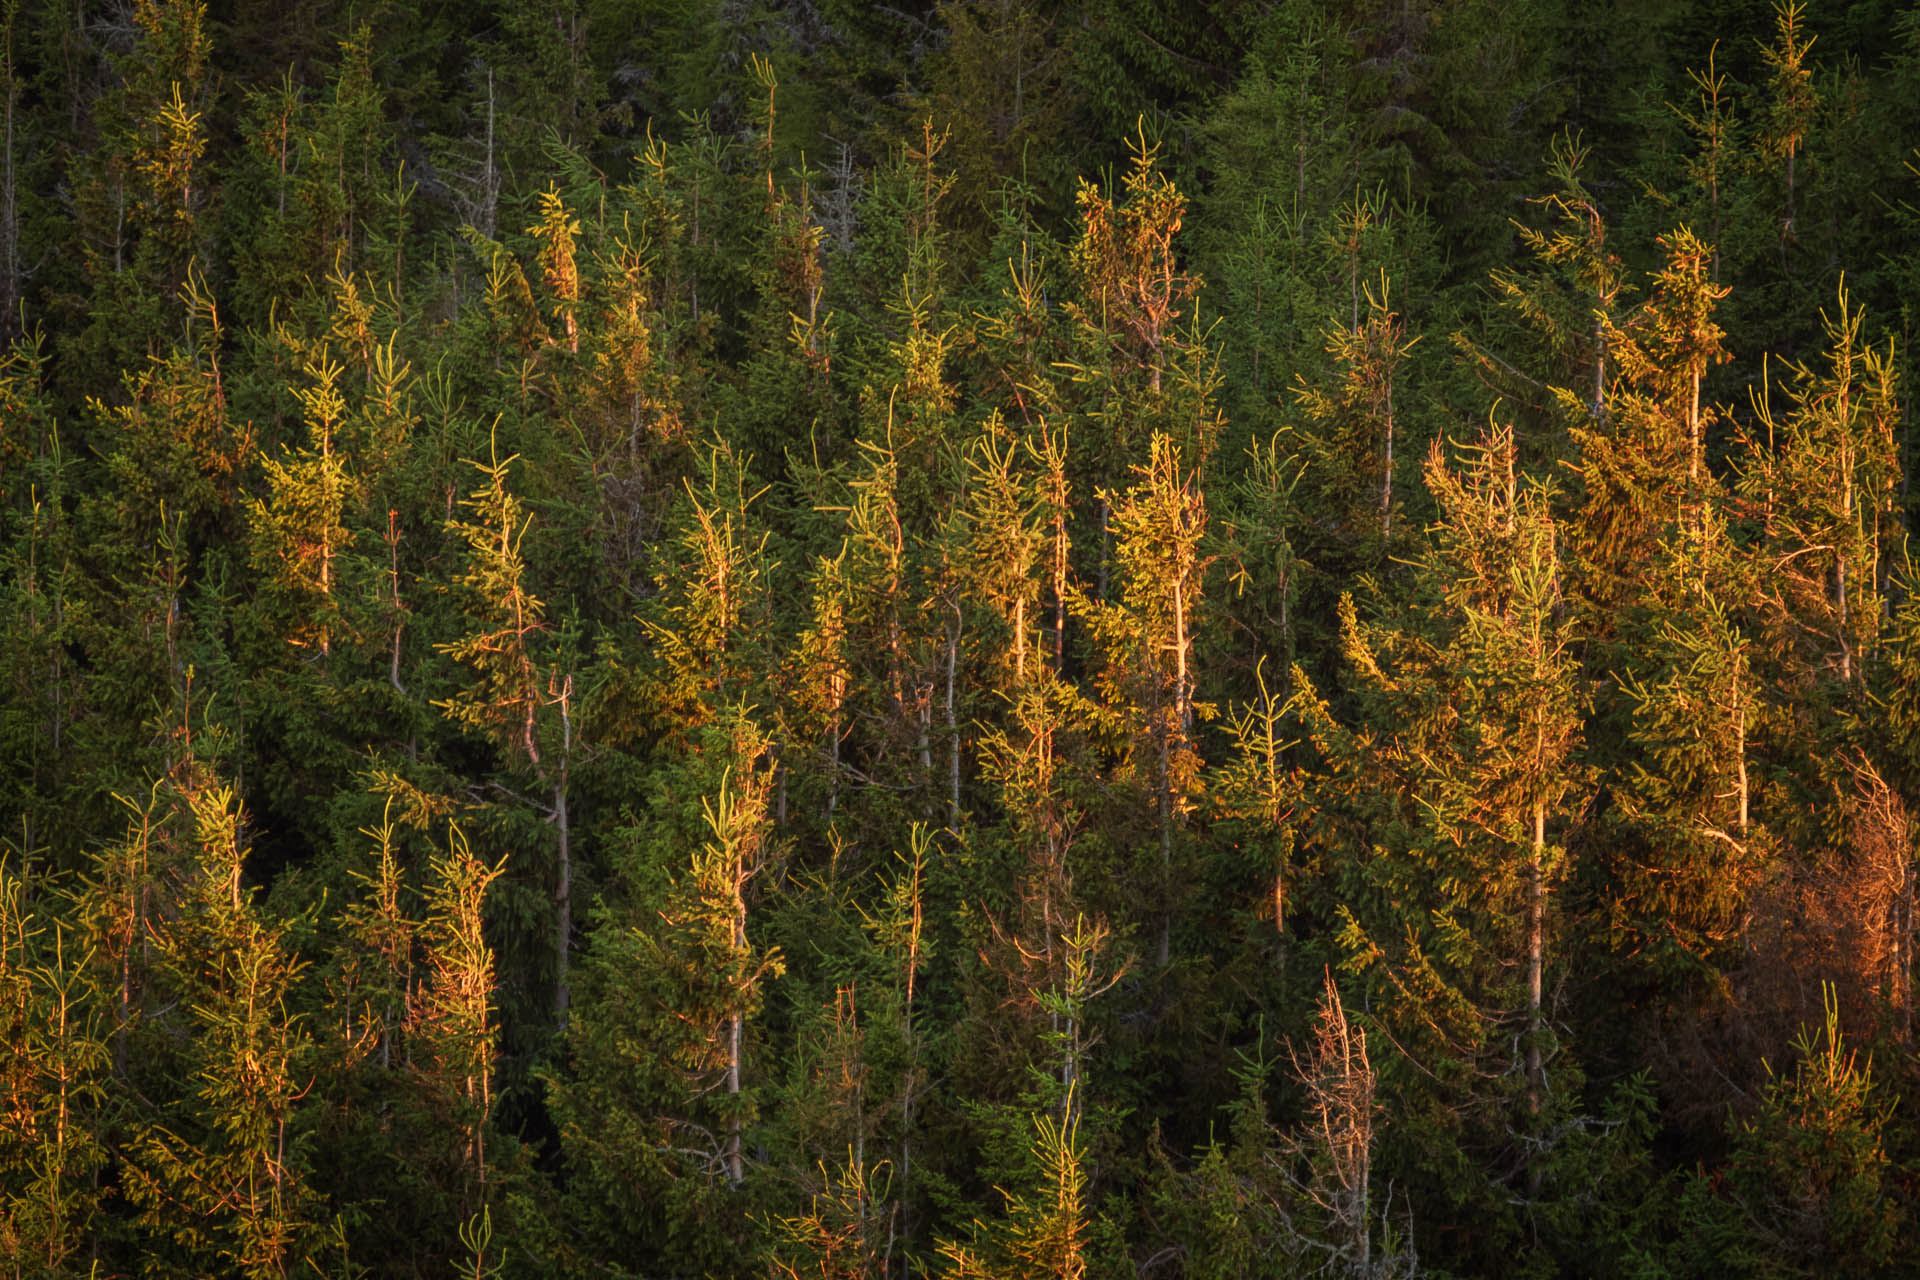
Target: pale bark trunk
{"points": [[953, 727], [736, 1163], [563, 889], [1696, 446], [736, 1025], [1106, 550], [9, 202], [1386, 479], [1536, 955]]}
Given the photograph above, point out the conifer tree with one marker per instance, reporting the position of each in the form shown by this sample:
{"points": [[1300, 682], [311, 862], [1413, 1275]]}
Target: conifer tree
{"points": [[1007, 544], [1148, 679], [1350, 447], [219, 1180], [517, 694], [451, 1023], [1255, 788], [1282, 146], [43, 594], [300, 538], [140, 196], [1001, 89], [1687, 801], [1044, 1233], [1803, 1191], [1577, 286], [1450, 904], [54, 1075], [1825, 486], [663, 1091], [1643, 460], [1132, 288], [709, 625]]}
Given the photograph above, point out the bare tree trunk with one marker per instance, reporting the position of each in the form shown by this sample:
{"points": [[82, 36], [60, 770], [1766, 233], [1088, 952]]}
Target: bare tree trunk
{"points": [[1840, 563], [1339, 1083], [736, 1163], [1106, 549], [1536, 955], [563, 888], [1599, 363], [9, 194], [1163, 950], [953, 727], [1020, 642], [1740, 752], [1697, 446], [912, 1048], [1386, 478]]}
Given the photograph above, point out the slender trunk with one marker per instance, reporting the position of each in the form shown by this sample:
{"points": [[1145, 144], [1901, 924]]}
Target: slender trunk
{"points": [[736, 1164], [326, 539], [1020, 642], [1182, 693], [1740, 756], [1164, 947], [1106, 548], [1840, 595], [1536, 955], [9, 198], [563, 887], [740, 874], [833, 764], [1696, 446], [1386, 478], [953, 727], [736, 1025], [393, 590], [1599, 363], [1793, 160], [913, 1052], [923, 694], [1059, 591], [1840, 562], [488, 212]]}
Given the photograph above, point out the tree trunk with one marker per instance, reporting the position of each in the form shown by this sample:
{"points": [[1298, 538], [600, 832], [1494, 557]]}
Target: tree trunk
{"points": [[953, 727], [563, 887], [1536, 955]]}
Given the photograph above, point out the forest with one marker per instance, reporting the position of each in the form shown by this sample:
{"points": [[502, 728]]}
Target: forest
{"points": [[963, 639]]}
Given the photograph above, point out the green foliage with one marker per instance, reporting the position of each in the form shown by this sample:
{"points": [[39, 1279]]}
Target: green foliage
{"points": [[1804, 1189], [922, 697]]}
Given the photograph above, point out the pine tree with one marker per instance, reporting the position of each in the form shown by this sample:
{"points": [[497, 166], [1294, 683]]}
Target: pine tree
{"points": [[1148, 678], [1687, 800], [1576, 289], [662, 1096], [44, 593], [513, 687], [299, 535], [1001, 89], [54, 1075], [1447, 901], [1255, 789], [1803, 1192], [218, 1177], [1043, 1233], [1643, 460], [451, 1023], [1825, 484], [1350, 446]]}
